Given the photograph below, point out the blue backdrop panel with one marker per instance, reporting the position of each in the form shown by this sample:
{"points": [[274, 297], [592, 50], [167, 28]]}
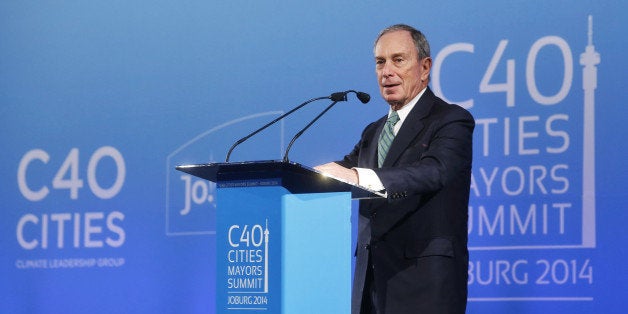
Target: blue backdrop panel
{"points": [[100, 100]]}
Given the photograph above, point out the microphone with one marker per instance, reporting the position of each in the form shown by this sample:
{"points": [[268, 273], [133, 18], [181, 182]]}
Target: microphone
{"points": [[340, 96], [335, 97]]}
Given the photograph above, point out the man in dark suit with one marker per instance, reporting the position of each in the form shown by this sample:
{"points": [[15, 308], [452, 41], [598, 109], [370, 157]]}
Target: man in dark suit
{"points": [[412, 252]]}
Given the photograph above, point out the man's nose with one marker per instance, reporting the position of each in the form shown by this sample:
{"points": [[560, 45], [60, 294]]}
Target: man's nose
{"points": [[387, 71]]}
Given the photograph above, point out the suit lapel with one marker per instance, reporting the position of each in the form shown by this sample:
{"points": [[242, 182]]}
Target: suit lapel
{"points": [[410, 128]]}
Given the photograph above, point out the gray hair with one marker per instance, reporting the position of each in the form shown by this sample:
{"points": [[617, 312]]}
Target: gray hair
{"points": [[420, 42]]}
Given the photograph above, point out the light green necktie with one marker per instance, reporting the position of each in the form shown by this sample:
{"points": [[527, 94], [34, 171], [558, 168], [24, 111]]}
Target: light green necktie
{"points": [[386, 138]]}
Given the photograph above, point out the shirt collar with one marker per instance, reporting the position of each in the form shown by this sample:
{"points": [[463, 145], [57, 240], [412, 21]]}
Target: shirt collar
{"points": [[405, 110]]}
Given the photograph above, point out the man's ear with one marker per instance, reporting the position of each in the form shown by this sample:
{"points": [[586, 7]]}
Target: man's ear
{"points": [[426, 65]]}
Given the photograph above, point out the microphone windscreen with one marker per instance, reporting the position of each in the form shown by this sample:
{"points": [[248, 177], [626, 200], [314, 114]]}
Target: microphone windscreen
{"points": [[363, 97]]}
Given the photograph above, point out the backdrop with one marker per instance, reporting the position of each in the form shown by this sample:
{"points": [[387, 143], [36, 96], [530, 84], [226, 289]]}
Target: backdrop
{"points": [[99, 100]]}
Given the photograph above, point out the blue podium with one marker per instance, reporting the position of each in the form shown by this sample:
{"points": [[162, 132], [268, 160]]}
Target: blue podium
{"points": [[283, 235]]}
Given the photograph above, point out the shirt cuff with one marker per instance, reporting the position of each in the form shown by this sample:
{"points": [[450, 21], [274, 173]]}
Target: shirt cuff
{"points": [[369, 179]]}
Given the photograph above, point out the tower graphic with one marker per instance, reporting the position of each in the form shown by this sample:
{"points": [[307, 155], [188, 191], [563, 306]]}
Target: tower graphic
{"points": [[589, 59], [266, 255]]}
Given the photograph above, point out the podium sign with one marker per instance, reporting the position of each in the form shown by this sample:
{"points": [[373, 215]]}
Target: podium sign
{"points": [[283, 253], [279, 251]]}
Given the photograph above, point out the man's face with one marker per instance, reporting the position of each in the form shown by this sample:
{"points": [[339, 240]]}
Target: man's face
{"points": [[400, 73]]}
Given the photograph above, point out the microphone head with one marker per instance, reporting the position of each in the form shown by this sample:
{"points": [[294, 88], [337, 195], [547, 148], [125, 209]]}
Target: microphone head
{"points": [[363, 97]]}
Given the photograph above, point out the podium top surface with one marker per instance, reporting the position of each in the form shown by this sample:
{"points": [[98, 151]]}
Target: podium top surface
{"points": [[296, 178]]}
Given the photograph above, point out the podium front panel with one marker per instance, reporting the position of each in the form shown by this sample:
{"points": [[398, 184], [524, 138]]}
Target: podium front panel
{"points": [[278, 252], [316, 253]]}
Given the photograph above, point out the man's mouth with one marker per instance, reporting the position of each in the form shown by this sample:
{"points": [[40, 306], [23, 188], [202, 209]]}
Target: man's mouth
{"points": [[389, 88], [390, 85]]}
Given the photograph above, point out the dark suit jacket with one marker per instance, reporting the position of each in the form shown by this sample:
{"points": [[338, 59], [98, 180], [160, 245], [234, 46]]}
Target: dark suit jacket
{"points": [[417, 237]]}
